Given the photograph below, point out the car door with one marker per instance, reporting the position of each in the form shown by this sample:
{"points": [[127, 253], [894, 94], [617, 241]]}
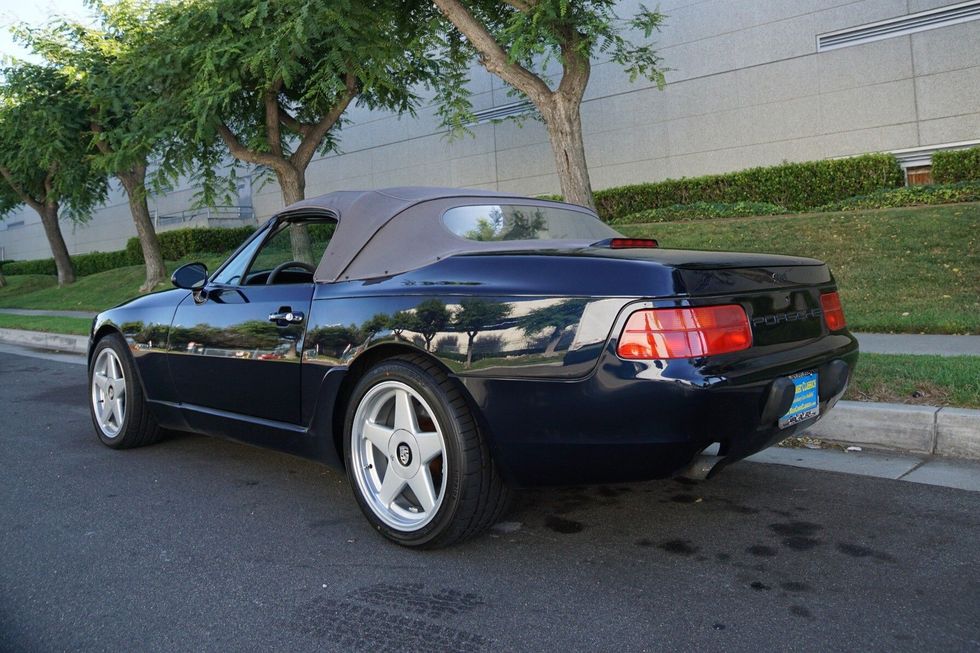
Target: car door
{"points": [[237, 345]]}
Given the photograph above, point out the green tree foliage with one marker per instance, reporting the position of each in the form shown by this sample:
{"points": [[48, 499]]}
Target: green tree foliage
{"points": [[516, 224], [333, 341], [518, 40], [271, 80], [476, 315], [379, 322], [431, 317], [402, 321], [46, 154], [552, 320], [94, 60]]}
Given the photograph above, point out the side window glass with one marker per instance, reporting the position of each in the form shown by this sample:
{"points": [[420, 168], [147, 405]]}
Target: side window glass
{"points": [[285, 259], [232, 273]]}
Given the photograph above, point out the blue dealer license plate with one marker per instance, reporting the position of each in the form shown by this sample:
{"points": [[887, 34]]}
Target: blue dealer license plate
{"points": [[806, 402]]}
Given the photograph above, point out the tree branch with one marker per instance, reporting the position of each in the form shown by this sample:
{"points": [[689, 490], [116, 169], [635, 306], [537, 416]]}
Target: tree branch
{"points": [[242, 153], [273, 134], [292, 123], [575, 68], [27, 199], [100, 142], [47, 182], [314, 134], [492, 55]]}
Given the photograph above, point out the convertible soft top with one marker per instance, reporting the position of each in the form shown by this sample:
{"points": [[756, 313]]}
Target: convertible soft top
{"points": [[393, 230]]}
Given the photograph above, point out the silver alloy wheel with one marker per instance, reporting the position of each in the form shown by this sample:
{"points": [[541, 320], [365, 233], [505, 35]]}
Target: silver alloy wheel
{"points": [[398, 456], [109, 392]]}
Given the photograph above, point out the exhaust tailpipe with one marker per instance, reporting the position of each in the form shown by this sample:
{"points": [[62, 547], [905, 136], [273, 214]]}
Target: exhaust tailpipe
{"points": [[703, 467]]}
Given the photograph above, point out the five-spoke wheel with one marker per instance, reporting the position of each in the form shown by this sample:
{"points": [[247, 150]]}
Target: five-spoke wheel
{"points": [[120, 414], [109, 393], [420, 468], [398, 455]]}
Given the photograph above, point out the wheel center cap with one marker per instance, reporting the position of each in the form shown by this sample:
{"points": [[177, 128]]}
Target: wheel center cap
{"points": [[111, 392], [403, 458], [404, 454]]}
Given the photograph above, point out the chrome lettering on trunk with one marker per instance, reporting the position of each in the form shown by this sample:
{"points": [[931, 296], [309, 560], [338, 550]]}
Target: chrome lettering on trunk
{"points": [[792, 316]]}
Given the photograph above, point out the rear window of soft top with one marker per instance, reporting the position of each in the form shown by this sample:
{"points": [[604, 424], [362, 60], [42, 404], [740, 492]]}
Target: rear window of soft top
{"points": [[501, 222]]}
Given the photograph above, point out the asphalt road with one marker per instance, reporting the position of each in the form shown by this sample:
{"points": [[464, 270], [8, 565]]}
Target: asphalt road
{"points": [[198, 544]]}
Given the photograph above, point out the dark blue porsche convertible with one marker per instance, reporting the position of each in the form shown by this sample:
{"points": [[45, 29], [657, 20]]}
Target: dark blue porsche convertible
{"points": [[446, 345]]}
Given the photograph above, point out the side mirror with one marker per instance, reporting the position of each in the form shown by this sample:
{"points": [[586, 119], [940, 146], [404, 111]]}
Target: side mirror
{"points": [[192, 276]]}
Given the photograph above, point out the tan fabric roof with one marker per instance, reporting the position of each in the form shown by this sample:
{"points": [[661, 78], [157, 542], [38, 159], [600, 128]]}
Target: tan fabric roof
{"points": [[368, 218]]}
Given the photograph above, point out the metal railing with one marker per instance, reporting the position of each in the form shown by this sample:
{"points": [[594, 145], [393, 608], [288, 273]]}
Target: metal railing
{"points": [[212, 216]]}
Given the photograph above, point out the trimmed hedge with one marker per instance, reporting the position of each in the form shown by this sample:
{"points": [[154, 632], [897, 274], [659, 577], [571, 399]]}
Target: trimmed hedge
{"points": [[84, 264], [797, 186], [702, 211], [967, 191], [174, 245], [180, 242], [956, 165]]}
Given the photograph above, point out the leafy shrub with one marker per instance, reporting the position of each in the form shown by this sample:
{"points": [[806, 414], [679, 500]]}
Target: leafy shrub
{"points": [[84, 264], [967, 191], [180, 242], [956, 165], [37, 266], [702, 211], [797, 186]]}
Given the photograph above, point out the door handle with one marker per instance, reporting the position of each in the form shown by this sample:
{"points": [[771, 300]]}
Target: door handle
{"points": [[287, 316]]}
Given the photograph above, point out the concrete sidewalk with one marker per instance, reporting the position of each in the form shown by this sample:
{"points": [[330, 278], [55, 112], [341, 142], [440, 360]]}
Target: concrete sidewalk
{"points": [[930, 470], [43, 340], [905, 343]]}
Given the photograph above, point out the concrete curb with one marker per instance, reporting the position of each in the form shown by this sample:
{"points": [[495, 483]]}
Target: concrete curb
{"points": [[42, 340], [918, 429]]}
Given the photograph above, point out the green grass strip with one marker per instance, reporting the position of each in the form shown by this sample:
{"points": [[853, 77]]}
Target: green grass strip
{"points": [[72, 325], [899, 270], [907, 379]]}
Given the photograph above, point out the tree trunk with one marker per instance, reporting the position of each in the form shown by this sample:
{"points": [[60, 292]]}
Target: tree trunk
{"points": [[469, 349], [62, 261], [564, 125], [293, 184], [134, 182]]}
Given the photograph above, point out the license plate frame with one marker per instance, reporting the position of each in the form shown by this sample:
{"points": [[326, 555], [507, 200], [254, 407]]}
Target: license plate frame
{"points": [[806, 399]]}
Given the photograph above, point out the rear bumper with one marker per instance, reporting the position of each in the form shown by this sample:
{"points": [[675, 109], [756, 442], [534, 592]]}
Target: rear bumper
{"points": [[642, 420]]}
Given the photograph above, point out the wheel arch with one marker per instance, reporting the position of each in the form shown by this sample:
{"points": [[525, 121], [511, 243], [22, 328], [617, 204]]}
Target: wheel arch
{"points": [[360, 366], [105, 329]]}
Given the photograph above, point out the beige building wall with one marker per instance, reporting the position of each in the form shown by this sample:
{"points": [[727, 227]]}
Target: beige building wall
{"points": [[747, 87]]}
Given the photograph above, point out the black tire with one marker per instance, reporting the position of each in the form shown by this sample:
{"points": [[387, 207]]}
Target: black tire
{"points": [[138, 427], [475, 496]]}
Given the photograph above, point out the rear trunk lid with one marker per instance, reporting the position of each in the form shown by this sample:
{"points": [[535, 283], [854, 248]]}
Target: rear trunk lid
{"points": [[780, 294]]}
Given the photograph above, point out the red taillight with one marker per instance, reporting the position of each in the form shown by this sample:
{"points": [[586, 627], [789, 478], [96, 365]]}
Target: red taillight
{"points": [[833, 312], [685, 332], [632, 243]]}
